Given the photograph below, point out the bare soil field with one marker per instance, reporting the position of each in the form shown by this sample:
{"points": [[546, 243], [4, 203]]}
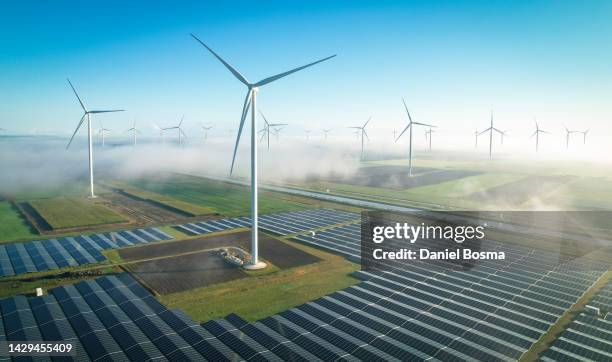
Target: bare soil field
{"points": [[141, 211], [179, 273], [182, 272]]}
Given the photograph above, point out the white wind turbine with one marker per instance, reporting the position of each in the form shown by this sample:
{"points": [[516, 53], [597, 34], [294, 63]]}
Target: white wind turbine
{"points": [[134, 131], [161, 132], [251, 100], [567, 136], [362, 132], [103, 132], [410, 126], [307, 134], [87, 115], [276, 131], [503, 133], [536, 133], [326, 131], [205, 130], [584, 134], [476, 137], [179, 130], [490, 130], [265, 132], [428, 133]]}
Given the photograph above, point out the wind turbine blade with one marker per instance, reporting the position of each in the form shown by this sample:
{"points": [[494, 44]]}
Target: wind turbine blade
{"points": [[76, 130], [181, 122], [245, 109], [262, 137], [423, 124], [534, 133], [355, 127], [108, 111], [284, 74], [236, 73], [406, 107], [500, 132], [277, 124], [77, 95], [405, 129], [485, 131], [183, 133], [365, 133], [365, 124]]}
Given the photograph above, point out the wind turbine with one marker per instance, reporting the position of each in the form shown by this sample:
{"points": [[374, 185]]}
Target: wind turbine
{"points": [[567, 136], [266, 129], [179, 129], [307, 134], [134, 131], [476, 137], [326, 131], [536, 133], [503, 133], [102, 132], [276, 132], [205, 129], [362, 132], [428, 133], [251, 100], [87, 114], [394, 133], [490, 130], [584, 133], [409, 126], [161, 133]]}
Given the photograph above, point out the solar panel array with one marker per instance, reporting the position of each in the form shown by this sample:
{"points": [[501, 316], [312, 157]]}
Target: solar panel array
{"points": [[588, 337], [41, 255], [284, 223]]}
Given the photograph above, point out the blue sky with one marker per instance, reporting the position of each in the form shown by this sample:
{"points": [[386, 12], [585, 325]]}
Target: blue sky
{"points": [[453, 61]]}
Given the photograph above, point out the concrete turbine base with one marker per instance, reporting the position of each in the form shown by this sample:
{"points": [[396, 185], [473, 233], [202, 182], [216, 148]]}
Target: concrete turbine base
{"points": [[259, 265]]}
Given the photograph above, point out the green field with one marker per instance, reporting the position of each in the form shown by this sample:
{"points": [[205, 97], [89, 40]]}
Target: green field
{"points": [[185, 207], [260, 296], [69, 212], [223, 198], [581, 186], [12, 225]]}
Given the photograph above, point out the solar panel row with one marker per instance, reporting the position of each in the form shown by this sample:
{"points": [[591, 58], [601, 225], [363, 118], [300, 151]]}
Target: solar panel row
{"points": [[41, 255], [285, 223], [493, 311], [588, 337]]}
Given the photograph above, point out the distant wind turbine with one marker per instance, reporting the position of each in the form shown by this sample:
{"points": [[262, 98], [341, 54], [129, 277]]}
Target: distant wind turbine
{"points": [[428, 133], [584, 134], [503, 133], [490, 130], [536, 133], [394, 134], [325, 132], [276, 131], [134, 131], [87, 115], [102, 132], [362, 133], [567, 136], [250, 100], [476, 137], [410, 126], [266, 130], [205, 129], [161, 132], [179, 130], [307, 134]]}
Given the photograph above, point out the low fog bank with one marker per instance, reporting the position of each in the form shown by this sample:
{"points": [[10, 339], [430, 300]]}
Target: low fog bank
{"points": [[38, 162]]}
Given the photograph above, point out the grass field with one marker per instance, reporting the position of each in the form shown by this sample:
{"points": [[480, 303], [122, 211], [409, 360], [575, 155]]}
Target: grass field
{"points": [[256, 297], [223, 198], [69, 212], [578, 188], [185, 207], [12, 224]]}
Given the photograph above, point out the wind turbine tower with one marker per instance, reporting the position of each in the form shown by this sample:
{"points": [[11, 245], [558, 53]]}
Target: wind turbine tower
{"points": [[360, 130], [410, 126], [536, 133], [250, 100], [490, 130], [87, 115], [134, 131]]}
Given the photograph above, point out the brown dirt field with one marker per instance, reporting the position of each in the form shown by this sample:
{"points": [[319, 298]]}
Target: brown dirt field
{"points": [[179, 273], [183, 272]]}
